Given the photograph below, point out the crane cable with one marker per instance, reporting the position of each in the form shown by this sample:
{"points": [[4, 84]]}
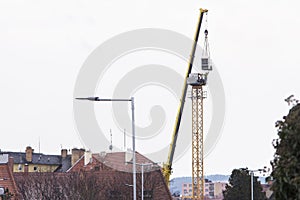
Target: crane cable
{"points": [[206, 50]]}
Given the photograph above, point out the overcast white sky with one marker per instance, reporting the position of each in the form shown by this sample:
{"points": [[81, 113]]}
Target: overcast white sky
{"points": [[255, 45]]}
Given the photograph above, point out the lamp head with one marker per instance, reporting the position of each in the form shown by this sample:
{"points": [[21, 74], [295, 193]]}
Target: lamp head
{"points": [[89, 98]]}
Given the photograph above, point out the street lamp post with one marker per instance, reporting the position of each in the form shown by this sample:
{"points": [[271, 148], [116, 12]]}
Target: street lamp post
{"points": [[252, 175], [133, 134]]}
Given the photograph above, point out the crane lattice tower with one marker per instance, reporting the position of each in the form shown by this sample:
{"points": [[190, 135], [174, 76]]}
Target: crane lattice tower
{"points": [[197, 143], [197, 81]]}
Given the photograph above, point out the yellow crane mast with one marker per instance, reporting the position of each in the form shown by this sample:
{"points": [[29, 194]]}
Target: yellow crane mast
{"points": [[197, 81], [167, 167], [197, 144]]}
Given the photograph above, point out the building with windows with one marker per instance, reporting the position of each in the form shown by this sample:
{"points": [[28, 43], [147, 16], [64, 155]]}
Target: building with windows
{"points": [[82, 173], [212, 189], [29, 161]]}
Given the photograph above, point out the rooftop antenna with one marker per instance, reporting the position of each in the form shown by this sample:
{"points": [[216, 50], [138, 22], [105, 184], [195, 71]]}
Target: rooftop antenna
{"points": [[39, 145], [124, 139], [110, 146]]}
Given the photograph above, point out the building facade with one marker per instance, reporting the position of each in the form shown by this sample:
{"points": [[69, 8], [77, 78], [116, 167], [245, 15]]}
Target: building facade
{"points": [[211, 189], [29, 161]]}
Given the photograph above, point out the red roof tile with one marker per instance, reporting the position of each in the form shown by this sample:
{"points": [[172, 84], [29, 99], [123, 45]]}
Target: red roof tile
{"points": [[117, 161]]}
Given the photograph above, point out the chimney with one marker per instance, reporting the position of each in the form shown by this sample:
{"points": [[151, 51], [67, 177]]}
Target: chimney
{"points": [[87, 157], [29, 152], [76, 155], [81, 152], [64, 153]]}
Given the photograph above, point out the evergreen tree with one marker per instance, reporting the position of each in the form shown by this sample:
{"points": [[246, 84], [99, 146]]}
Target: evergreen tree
{"points": [[239, 187], [286, 163]]}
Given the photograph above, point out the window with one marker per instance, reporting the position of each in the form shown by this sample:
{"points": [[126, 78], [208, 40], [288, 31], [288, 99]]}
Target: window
{"points": [[184, 185], [97, 168]]}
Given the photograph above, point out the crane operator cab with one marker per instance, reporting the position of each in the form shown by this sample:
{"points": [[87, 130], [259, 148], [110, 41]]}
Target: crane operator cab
{"points": [[206, 62], [197, 79]]}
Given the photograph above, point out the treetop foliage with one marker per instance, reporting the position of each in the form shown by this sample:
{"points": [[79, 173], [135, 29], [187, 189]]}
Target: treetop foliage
{"points": [[286, 163], [239, 187]]}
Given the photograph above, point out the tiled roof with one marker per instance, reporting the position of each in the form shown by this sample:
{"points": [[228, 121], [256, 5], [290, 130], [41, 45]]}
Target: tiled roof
{"points": [[117, 161], [65, 164], [37, 158]]}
